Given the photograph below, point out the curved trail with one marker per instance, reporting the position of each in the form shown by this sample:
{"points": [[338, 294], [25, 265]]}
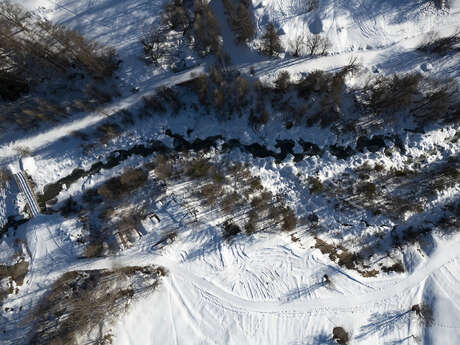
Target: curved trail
{"points": [[224, 299]]}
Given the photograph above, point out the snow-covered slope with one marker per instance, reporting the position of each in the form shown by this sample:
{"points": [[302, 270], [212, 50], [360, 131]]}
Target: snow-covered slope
{"points": [[270, 287], [357, 24]]}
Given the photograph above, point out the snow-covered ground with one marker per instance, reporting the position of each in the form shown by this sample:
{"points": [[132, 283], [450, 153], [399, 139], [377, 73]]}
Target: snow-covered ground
{"points": [[268, 288]]}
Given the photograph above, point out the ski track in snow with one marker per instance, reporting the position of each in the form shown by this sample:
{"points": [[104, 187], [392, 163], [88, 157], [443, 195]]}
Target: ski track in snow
{"points": [[210, 292], [255, 285]]}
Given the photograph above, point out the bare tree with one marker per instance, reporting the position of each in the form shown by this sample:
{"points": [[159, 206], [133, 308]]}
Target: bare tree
{"points": [[317, 45], [297, 45]]}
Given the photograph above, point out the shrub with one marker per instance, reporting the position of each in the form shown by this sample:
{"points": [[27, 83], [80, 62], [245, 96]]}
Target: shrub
{"points": [[97, 95], [259, 204], [197, 168], [37, 47], [219, 98], [167, 95], [289, 219], [93, 250], [368, 189], [315, 185], [394, 93], [12, 85], [153, 102], [163, 167], [110, 189], [241, 88], [312, 5], [255, 184], [200, 86], [335, 89], [436, 103], [313, 82], [230, 202], [282, 82], [70, 207], [424, 313], [352, 67], [250, 228], [133, 178], [230, 230], [441, 4], [340, 336], [271, 43], [23, 151], [210, 192], [229, 10], [397, 267], [16, 272], [275, 212], [117, 187], [109, 131]]}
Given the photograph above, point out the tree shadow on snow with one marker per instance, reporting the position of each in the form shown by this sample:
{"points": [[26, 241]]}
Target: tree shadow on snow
{"points": [[406, 340], [300, 292], [320, 339], [384, 323]]}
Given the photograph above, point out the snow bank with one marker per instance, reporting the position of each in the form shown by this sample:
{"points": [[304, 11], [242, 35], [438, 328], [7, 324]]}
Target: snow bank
{"points": [[35, 4]]}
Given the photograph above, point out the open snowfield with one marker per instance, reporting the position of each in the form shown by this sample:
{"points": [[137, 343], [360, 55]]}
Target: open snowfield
{"points": [[271, 287]]}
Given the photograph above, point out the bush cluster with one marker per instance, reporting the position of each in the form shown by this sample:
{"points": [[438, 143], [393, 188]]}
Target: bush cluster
{"points": [[164, 99], [116, 187], [81, 301]]}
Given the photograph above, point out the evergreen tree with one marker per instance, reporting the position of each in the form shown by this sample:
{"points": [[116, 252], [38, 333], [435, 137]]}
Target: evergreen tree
{"points": [[271, 44], [244, 25]]}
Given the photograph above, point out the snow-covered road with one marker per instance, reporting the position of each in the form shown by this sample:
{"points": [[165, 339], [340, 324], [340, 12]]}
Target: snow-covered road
{"points": [[9, 152]]}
